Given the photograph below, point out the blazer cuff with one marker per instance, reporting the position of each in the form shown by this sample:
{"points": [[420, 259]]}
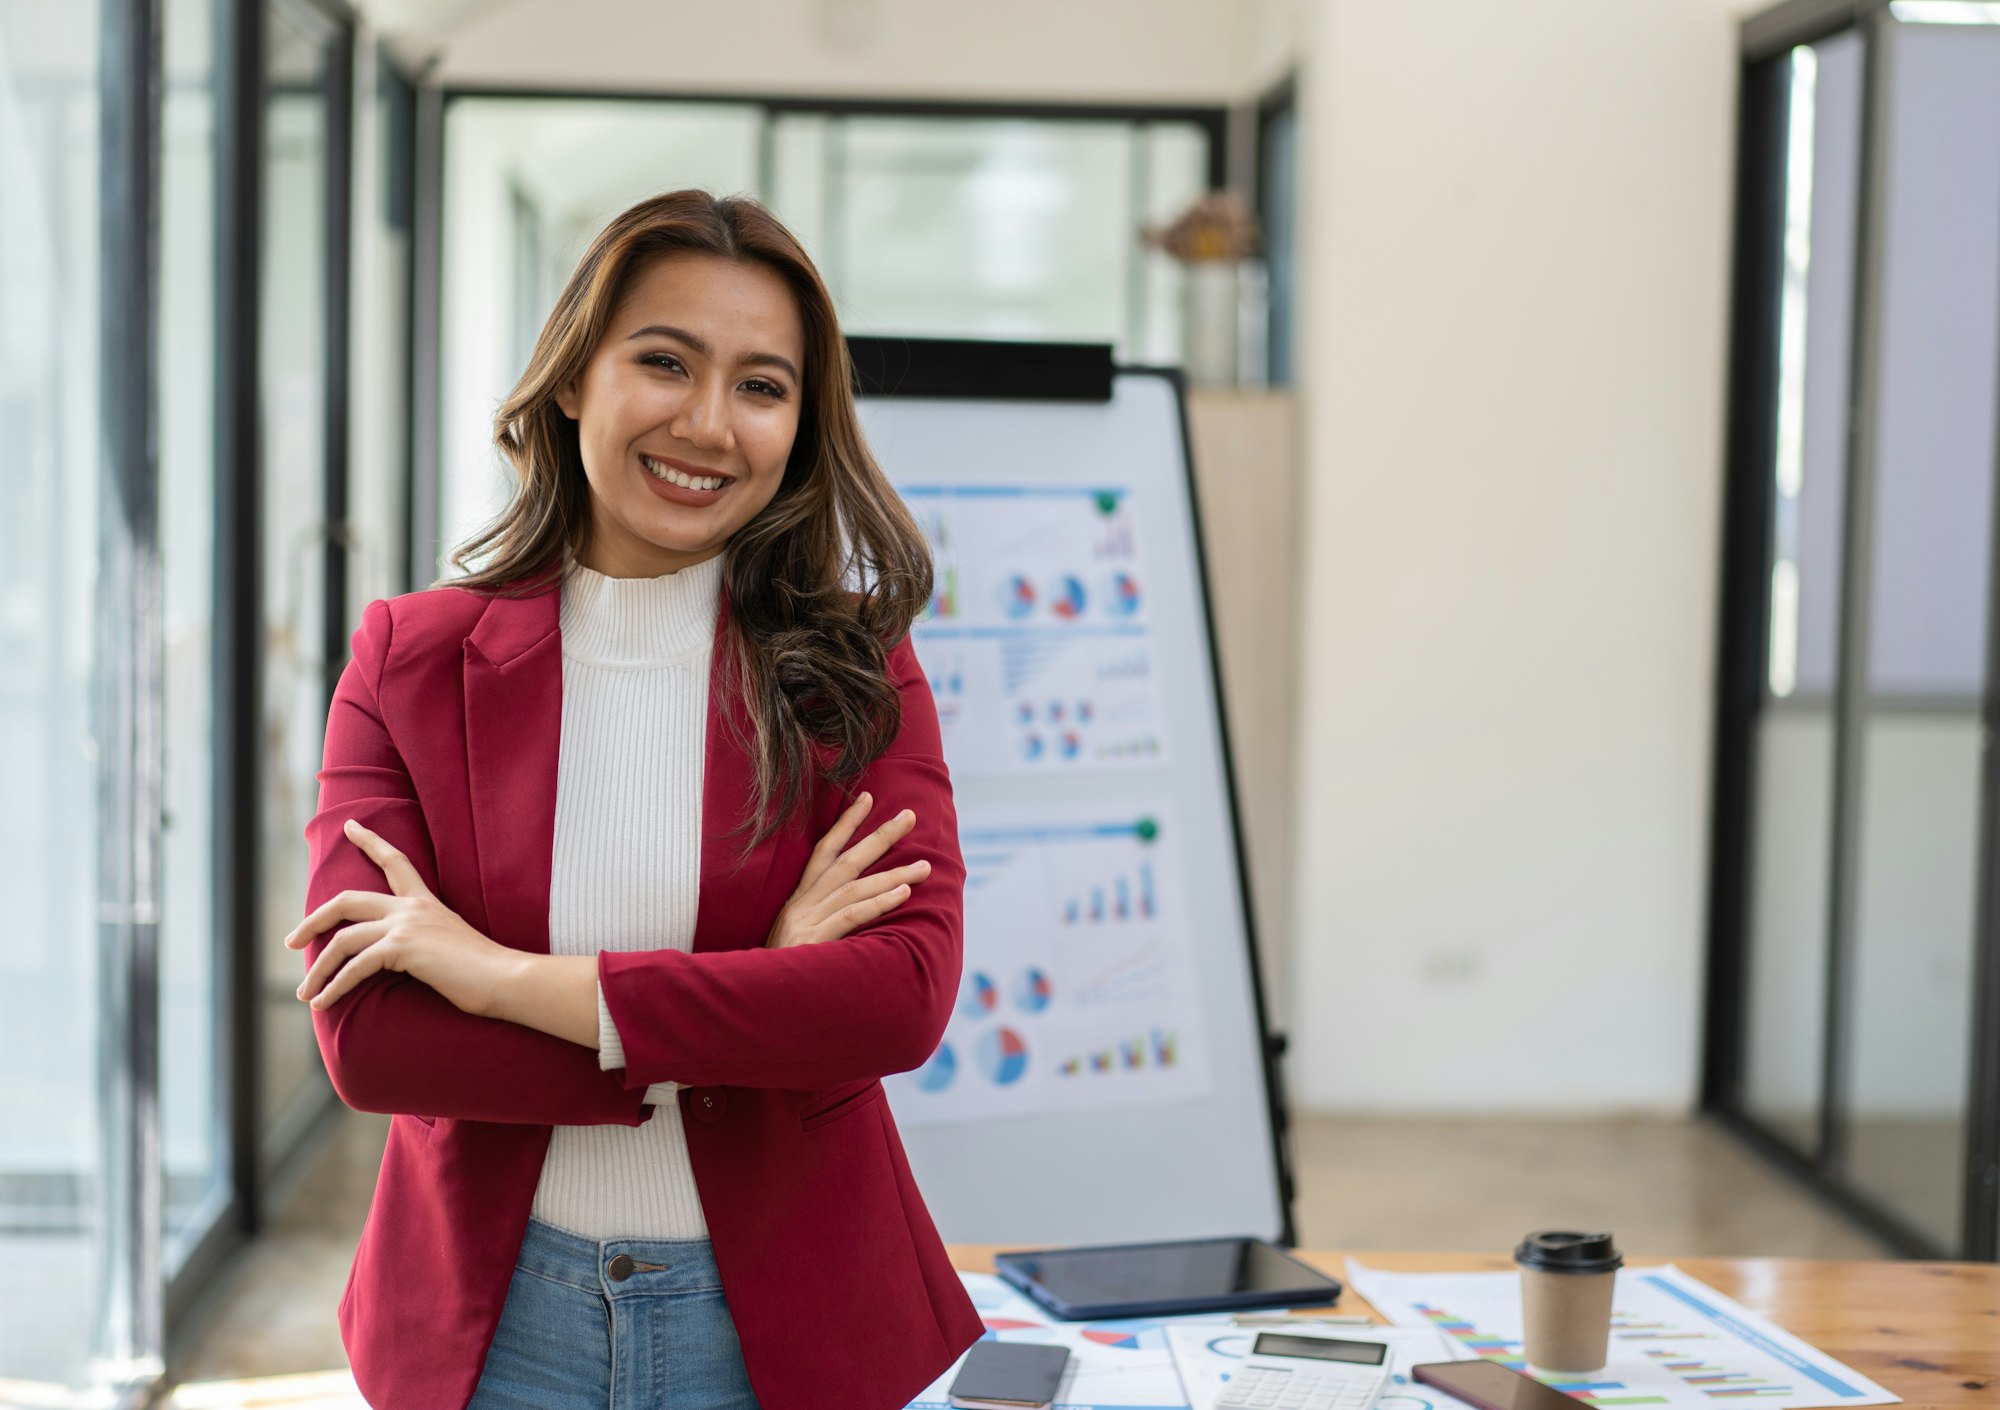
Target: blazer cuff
{"points": [[611, 1053]]}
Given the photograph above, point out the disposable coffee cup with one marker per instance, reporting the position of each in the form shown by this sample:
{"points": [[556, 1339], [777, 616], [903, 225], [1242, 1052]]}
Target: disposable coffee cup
{"points": [[1566, 1282]]}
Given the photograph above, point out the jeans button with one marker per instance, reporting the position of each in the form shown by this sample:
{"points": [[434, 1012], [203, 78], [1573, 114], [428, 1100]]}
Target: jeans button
{"points": [[620, 1268]]}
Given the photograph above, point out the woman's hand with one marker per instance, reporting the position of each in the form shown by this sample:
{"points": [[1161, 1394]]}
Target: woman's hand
{"points": [[410, 931], [833, 898]]}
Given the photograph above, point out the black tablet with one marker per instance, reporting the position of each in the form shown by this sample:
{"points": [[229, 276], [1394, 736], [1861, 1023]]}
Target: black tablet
{"points": [[1140, 1280]]}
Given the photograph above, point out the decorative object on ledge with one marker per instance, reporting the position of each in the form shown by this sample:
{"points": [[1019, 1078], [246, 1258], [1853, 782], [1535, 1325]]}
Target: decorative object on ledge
{"points": [[1226, 290]]}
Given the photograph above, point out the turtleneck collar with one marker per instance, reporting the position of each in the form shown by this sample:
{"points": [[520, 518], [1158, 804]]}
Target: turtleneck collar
{"points": [[640, 621]]}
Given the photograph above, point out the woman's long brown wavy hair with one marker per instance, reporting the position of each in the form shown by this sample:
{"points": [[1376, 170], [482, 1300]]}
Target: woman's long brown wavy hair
{"points": [[820, 584]]}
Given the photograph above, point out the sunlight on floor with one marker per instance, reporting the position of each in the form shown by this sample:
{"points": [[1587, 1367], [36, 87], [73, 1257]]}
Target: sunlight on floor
{"points": [[306, 1390]]}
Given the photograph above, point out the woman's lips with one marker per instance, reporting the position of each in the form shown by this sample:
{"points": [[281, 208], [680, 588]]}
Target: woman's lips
{"points": [[679, 494]]}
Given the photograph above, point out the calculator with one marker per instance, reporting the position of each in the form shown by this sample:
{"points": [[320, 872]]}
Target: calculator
{"points": [[1293, 1371]]}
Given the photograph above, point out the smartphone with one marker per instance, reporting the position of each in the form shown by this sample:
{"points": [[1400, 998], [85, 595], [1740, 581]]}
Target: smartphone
{"points": [[1491, 1386], [1008, 1374]]}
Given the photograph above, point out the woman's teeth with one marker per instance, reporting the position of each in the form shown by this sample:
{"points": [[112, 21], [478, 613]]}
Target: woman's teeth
{"points": [[675, 477]]}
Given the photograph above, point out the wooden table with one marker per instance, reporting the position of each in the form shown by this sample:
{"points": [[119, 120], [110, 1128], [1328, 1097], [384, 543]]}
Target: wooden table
{"points": [[1929, 1332]]}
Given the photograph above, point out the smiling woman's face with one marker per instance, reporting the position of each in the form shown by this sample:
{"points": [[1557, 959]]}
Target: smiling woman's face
{"points": [[686, 412]]}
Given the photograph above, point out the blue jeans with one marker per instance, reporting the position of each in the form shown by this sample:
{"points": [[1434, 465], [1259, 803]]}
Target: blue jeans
{"points": [[574, 1335]]}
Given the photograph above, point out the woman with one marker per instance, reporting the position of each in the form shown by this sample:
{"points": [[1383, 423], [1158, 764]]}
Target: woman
{"points": [[630, 998]]}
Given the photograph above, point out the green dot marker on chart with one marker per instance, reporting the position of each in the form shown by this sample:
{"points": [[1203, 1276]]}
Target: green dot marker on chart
{"points": [[1147, 829], [1107, 501]]}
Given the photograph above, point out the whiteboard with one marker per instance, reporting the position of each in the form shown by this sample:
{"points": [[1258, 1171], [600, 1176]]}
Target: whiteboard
{"points": [[1104, 1077]]}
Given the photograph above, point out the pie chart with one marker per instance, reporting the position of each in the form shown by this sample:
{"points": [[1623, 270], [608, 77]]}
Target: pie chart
{"points": [[936, 1074], [1003, 1057], [1032, 992], [979, 997], [1128, 1336]]}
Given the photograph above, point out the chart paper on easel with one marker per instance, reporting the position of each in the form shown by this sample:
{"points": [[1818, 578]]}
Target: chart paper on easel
{"points": [[1077, 989]]}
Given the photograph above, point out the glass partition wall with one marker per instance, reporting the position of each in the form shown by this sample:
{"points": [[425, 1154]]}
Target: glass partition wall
{"points": [[301, 373], [175, 594], [67, 1304], [1854, 935], [195, 1147]]}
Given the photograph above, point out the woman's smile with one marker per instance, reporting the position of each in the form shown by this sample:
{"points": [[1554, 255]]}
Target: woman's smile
{"points": [[679, 483]]}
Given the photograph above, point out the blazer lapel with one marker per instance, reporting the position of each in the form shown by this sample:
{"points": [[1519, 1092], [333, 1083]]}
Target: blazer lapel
{"points": [[513, 725], [729, 893]]}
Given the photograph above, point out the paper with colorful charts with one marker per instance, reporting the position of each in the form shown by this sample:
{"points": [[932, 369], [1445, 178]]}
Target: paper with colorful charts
{"points": [[1675, 1341], [1037, 641], [1077, 988]]}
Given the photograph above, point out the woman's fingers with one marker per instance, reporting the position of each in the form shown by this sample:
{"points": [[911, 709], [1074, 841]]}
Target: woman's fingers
{"points": [[337, 910], [865, 898], [868, 851], [836, 837], [832, 896], [351, 941], [849, 919], [364, 963], [864, 888], [402, 874]]}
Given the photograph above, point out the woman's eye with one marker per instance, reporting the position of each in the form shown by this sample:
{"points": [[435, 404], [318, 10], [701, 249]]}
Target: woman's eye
{"points": [[669, 363]]}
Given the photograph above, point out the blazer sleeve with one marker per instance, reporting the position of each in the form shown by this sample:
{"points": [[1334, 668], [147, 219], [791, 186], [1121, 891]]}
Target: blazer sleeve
{"points": [[392, 1043], [874, 1002]]}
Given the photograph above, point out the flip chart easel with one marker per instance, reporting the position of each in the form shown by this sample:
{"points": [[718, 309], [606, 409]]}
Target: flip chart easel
{"points": [[1109, 1074]]}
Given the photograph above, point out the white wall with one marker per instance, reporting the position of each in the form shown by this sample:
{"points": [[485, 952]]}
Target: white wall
{"points": [[1516, 226]]}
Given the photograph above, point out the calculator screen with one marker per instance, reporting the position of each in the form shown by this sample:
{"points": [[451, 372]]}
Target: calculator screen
{"points": [[1364, 1353]]}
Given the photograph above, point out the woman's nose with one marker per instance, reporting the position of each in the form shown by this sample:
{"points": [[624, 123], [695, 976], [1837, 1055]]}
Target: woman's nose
{"points": [[704, 419]]}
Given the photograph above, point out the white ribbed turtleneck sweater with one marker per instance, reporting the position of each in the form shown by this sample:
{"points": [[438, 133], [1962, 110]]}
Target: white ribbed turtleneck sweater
{"points": [[627, 866]]}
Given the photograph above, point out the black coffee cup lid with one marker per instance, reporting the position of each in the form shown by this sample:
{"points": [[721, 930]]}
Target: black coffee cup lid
{"points": [[1555, 1251]]}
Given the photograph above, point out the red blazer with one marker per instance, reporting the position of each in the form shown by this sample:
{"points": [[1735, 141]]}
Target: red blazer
{"points": [[442, 738]]}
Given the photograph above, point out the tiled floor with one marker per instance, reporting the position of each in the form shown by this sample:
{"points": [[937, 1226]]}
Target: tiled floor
{"points": [[1664, 1187]]}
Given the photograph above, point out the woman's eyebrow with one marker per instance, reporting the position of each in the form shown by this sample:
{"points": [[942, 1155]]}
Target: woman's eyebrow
{"points": [[657, 329]]}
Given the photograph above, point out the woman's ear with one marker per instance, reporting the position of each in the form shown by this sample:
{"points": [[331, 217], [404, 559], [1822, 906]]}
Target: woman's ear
{"points": [[567, 401]]}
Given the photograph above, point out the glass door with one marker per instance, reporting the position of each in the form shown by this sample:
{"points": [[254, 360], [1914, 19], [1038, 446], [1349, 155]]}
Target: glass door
{"points": [[1791, 840], [1917, 734], [79, 1195], [1857, 891], [195, 1146], [300, 376], [58, 1257]]}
